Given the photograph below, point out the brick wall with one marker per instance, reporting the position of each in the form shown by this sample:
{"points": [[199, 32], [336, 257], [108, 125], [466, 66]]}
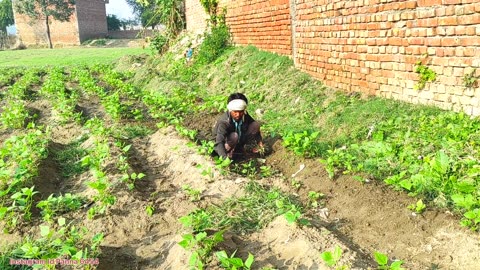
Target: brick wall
{"points": [[86, 22], [263, 23], [61, 33], [132, 34], [92, 19], [371, 46], [197, 18]]}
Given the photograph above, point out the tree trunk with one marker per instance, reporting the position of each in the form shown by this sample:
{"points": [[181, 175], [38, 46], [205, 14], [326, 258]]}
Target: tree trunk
{"points": [[48, 33]]}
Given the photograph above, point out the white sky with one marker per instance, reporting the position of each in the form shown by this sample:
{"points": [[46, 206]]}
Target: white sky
{"points": [[120, 8]]}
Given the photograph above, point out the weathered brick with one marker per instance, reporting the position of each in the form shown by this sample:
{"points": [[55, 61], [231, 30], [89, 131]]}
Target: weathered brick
{"points": [[447, 21], [449, 42], [469, 19], [428, 3]]}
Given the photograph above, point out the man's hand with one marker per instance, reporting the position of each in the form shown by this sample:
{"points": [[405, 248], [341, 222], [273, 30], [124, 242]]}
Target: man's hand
{"points": [[260, 149]]}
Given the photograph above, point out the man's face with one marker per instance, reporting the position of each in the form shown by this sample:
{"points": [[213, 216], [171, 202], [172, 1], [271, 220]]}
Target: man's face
{"points": [[237, 115]]}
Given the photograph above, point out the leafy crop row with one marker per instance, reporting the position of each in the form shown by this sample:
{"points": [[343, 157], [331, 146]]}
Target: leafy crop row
{"points": [[19, 159]]}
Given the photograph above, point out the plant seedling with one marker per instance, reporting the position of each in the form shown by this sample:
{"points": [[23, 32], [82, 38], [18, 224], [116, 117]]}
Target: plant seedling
{"points": [[233, 263], [193, 194], [313, 198], [382, 261], [417, 207], [149, 209], [332, 258]]}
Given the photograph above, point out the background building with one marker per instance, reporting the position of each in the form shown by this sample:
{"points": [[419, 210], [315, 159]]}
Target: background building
{"points": [[88, 21]]}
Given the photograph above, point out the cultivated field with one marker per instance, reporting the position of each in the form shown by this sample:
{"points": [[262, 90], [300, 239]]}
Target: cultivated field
{"points": [[97, 172]]}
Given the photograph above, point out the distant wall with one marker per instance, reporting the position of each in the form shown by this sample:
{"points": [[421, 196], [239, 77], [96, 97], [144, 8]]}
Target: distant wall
{"points": [[87, 21], [369, 46], [131, 34], [34, 33], [92, 19]]}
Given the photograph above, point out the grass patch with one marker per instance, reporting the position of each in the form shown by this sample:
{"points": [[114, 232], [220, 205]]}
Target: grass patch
{"points": [[256, 209], [69, 158], [64, 56], [129, 131]]}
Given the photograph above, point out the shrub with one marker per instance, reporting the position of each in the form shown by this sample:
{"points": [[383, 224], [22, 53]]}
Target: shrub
{"points": [[214, 44], [159, 43]]}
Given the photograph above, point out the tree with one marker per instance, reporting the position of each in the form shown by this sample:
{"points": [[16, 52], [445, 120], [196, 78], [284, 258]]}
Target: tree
{"points": [[171, 13], [149, 15], [6, 15], [46, 10], [113, 23]]}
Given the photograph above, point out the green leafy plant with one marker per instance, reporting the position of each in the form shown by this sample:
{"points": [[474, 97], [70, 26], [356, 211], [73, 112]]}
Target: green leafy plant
{"points": [[313, 198], [222, 164], [302, 143], [332, 258], [193, 194], [213, 44], [23, 200], [266, 171], [248, 169], [53, 206], [159, 43], [291, 212], [201, 245], [14, 115], [189, 133], [425, 75], [149, 209], [206, 171], [104, 198], [233, 263], [296, 184], [471, 219], [198, 220], [469, 79], [382, 261], [206, 147], [417, 207]]}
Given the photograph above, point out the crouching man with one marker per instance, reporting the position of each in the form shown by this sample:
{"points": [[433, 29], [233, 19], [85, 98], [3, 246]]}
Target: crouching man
{"points": [[235, 128]]}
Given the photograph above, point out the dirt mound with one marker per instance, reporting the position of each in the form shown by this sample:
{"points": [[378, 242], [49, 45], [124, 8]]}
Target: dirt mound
{"points": [[116, 43]]}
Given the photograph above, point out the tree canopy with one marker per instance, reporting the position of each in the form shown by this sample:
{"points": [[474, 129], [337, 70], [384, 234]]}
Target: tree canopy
{"points": [[6, 14], [45, 10], [170, 13], [113, 22]]}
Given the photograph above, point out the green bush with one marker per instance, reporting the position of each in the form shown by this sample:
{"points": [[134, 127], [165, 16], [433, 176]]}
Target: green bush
{"points": [[159, 43], [214, 44]]}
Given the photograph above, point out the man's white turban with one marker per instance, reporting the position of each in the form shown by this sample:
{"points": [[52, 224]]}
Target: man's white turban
{"points": [[237, 105]]}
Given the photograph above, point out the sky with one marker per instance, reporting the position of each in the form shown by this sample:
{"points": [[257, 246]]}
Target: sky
{"points": [[120, 8]]}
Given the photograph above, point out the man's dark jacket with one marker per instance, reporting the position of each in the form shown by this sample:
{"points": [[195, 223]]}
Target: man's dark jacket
{"points": [[224, 126]]}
